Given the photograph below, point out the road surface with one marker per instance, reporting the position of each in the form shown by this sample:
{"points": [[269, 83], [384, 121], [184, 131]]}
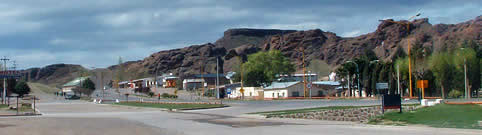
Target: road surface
{"points": [[85, 118]]}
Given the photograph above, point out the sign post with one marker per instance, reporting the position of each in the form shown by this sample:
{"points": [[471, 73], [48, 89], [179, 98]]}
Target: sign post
{"points": [[391, 102], [382, 86], [422, 84]]}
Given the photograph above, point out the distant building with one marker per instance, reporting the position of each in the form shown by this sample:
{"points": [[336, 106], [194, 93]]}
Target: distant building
{"points": [[327, 88], [76, 83], [193, 84], [210, 79], [249, 93], [298, 77], [168, 80]]}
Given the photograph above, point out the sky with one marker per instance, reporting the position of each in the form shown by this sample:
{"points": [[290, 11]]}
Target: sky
{"points": [[95, 33]]}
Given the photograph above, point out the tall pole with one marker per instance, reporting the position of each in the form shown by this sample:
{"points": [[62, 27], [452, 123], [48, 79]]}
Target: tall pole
{"points": [[467, 93], [217, 77], [304, 71], [241, 70], [4, 59], [398, 81], [309, 78], [358, 78], [409, 60]]}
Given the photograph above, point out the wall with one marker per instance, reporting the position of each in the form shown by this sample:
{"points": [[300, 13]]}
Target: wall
{"points": [[247, 90], [353, 114]]}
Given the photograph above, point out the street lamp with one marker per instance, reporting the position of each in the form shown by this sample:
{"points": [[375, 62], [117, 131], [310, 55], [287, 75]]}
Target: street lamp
{"points": [[467, 93], [407, 24], [358, 77]]}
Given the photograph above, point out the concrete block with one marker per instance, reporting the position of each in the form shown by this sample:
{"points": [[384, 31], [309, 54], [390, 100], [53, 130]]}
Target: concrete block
{"points": [[438, 101], [117, 100], [424, 102]]}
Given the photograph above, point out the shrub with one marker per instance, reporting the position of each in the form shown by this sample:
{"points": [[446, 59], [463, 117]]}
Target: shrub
{"points": [[166, 95], [455, 94], [144, 90], [150, 94]]}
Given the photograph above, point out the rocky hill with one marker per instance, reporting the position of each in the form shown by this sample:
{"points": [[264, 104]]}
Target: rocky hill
{"points": [[54, 75], [388, 41]]}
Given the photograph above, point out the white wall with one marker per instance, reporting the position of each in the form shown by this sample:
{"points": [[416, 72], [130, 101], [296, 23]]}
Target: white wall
{"points": [[281, 93], [248, 92]]}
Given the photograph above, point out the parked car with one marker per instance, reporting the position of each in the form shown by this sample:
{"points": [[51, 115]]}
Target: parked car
{"points": [[71, 97]]}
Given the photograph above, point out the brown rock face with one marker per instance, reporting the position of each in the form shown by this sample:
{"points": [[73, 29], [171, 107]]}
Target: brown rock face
{"points": [[184, 61], [237, 37], [388, 41]]}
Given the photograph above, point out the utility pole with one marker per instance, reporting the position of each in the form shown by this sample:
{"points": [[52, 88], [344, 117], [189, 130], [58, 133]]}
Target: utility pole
{"points": [[4, 95], [202, 82], [241, 70], [467, 91], [304, 70], [407, 24], [217, 77], [398, 81]]}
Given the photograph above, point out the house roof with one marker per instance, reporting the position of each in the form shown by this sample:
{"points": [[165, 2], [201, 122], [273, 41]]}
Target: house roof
{"points": [[326, 83], [281, 85], [193, 80], [75, 82], [208, 75]]}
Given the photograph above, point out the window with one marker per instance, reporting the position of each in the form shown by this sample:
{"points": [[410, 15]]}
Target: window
{"points": [[250, 94], [272, 95], [283, 94], [320, 93], [295, 94]]}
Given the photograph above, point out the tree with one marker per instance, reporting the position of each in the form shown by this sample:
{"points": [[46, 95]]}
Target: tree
{"points": [[266, 66], [469, 57], [87, 87], [443, 70], [21, 88]]}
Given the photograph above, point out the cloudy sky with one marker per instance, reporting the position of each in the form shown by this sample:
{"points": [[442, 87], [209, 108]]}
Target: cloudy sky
{"points": [[94, 33]]}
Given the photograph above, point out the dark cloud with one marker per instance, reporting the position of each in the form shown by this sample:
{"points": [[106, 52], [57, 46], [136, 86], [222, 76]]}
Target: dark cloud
{"points": [[97, 32]]}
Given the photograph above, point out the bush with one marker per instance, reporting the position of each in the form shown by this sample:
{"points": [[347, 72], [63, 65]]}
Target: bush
{"points": [[455, 94], [144, 90], [150, 94], [166, 95]]}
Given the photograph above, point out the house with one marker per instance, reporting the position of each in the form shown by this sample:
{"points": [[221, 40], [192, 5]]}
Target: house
{"points": [[327, 88], [70, 86], [138, 83], [192, 84], [283, 90], [210, 79], [167, 80], [291, 90], [299, 77]]}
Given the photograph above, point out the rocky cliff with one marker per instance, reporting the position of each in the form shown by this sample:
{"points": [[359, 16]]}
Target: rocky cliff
{"points": [[388, 41]]}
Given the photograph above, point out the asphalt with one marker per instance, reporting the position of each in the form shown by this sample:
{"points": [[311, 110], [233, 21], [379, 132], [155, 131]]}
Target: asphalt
{"points": [[82, 118]]}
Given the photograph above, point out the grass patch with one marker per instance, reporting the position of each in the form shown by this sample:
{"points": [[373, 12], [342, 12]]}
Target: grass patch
{"points": [[305, 110], [442, 115], [3, 106], [171, 106]]}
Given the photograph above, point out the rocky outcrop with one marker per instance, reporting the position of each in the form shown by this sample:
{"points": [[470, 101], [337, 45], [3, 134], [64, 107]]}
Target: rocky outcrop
{"points": [[388, 41], [234, 38]]}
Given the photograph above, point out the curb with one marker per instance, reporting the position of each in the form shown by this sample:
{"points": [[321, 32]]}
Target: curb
{"points": [[13, 115], [190, 109]]}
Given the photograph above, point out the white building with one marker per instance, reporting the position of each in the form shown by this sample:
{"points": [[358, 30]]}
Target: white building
{"points": [[284, 90], [249, 92]]}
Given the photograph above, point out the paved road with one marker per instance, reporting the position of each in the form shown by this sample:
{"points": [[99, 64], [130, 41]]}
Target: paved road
{"points": [[79, 118]]}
